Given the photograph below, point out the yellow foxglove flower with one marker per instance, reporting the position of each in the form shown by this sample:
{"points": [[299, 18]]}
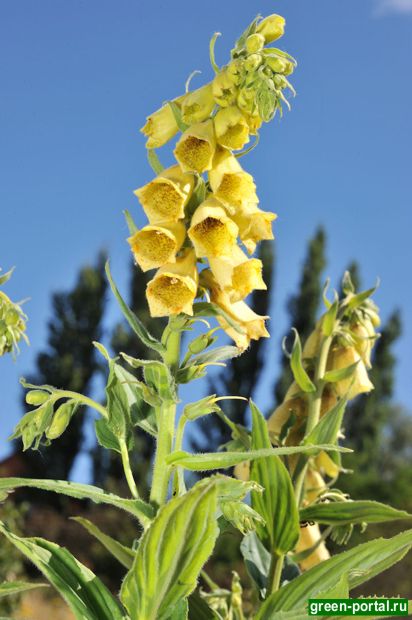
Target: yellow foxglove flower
{"points": [[272, 27], [232, 130], [160, 126], [251, 324], [196, 148], [234, 71], [246, 101], [234, 187], [164, 199], [173, 288], [198, 105], [365, 337], [314, 485], [211, 231], [224, 86], [359, 382], [254, 225], [153, 246], [325, 463], [308, 537], [238, 275], [254, 121]]}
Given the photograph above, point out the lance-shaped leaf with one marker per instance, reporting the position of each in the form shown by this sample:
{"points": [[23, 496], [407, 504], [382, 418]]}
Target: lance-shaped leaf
{"points": [[199, 609], [220, 354], [329, 319], [86, 595], [6, 276], [222, 460], [357, 300], [277, 504], [340, 374], [327, 429], [136, 507], [171, 553], [122, 553], [16, 587], [343, 513], [299, 373], [135, 323], [360, 564]]}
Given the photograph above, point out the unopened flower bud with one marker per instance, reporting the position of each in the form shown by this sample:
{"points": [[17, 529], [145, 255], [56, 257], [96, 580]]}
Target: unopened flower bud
{"points": [[60, 420], [234, 71], [276, 64], [224, 88], [252, 62], [272, 27], [254, 43], [36, 397]]}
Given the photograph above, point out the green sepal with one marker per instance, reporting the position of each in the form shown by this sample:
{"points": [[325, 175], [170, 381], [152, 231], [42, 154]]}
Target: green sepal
{"points": [[154, 161], [340, 374], [205, 308], [299, 373], [327, 429]]}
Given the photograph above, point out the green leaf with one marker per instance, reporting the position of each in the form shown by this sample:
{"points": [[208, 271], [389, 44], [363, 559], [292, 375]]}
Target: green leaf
{"points": [[357, 300], [171, 553], [177, 113], [6, 276], [342, 513], [329, 319], [360, 563], [86, 595], [333, 376], [221, 460], [277, 504], [180, 612], [299, 373], [122, 553], [135, 323], [138, 508], [219, 354], [199, 609], [205, 308], [157, 376], [7, 588], [257, 560], [339, 590], [327, 429]]}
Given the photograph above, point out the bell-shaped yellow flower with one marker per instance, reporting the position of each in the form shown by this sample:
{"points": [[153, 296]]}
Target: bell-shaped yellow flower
{"points": [[224, 86], [254, 225], [165, 198], [359, 382], [325, 463], [174, 286], [246, 101], [153, 246], [211, 231], [198, 105], [234, 187], [238, 275], [160, 126], [196, 148], [308, 537], [254, 121], [232, 129], [365, 336], [252, 325], [272, 27]]}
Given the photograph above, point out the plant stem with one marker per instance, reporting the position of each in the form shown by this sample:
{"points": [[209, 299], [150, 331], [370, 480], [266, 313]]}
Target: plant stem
{"points": [[315, 403], [275, 573], [127, 469], [85, 400], [165, 415], [179, 480]]}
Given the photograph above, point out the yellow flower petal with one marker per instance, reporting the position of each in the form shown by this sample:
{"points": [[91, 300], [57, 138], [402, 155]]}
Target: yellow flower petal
{"points": [[160, 126], [254, 226], [232, 130], [238, 275], [198, 105], [174, 287], [308, 537], [234, 187], [196, 148], [153, 246], [211, 231], [224, 86], [359, 382], [164, 199]]}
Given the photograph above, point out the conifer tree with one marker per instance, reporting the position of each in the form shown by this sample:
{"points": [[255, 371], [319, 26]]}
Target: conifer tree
{"points": [[303, 307], [70, 362]]}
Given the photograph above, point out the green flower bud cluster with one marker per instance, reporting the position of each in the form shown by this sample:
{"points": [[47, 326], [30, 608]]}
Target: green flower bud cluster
{"points": [[12, 322]]}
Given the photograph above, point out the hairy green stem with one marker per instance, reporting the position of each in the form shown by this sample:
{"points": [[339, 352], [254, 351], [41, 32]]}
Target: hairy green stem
{"points": [[275, 573], [127, 469], [165, 415]]}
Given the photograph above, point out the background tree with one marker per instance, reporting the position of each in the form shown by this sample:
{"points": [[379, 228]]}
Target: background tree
{"points": [[303, 307], [70, 362]]}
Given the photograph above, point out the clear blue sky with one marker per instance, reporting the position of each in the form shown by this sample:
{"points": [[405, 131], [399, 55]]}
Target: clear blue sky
{"points": [[79, 77]]}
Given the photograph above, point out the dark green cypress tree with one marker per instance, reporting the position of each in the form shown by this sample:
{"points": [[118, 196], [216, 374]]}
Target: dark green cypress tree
{"points": [[303, 307], [70, 362], [241, 375]]}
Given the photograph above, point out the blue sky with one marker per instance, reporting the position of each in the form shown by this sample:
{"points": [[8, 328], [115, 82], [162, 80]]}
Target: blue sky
{"points": [[78, 79]]}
